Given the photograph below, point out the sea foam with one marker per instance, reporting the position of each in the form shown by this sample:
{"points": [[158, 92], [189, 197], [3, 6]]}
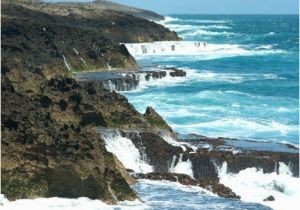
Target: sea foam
{"points": [[194, 50], [125, 151], [254, 186]]}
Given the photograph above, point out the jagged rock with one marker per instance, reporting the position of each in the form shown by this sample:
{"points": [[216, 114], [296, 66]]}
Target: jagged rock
{"points": [[176, 72], [155, 119], [119, 26], [49, 146], [205, 161], [269, 198], [155, 75], [56, 51]]}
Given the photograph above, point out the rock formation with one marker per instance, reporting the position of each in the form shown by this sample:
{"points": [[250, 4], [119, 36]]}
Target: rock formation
{"points": [[49, 146]]}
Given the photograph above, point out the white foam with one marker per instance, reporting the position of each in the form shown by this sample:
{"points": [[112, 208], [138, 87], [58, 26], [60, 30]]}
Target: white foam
{"points": [[208, 21], [173, 142], [237, 127], [271, 33], [182, 167], [199, 32], [179, 28], [126, 152], [182, 50], [54, 204], [168, 19], [177, 186], [171, 19], [254, 186]]}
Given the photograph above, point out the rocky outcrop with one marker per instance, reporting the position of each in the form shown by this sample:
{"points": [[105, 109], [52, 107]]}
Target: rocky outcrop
{"points": [[51, 48], [209, 184], [49, 146], [141, 13], [123, 81], [176, 72], [206, 161], [116, 23], [49, 143], [269, 198], [156, 120]]}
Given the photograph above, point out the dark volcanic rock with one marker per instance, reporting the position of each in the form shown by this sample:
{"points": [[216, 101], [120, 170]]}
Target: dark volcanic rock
{"points": [[117, 25], [210, 184], [48, 45], [50, 154], [270, 198], [205, 162], [159, 153], [155, 75], [176, 72], [49, 146]]}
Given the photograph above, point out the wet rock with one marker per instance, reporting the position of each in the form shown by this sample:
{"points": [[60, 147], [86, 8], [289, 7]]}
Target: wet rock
{"points": [[269, 198], [176, 72], [155, 75]]}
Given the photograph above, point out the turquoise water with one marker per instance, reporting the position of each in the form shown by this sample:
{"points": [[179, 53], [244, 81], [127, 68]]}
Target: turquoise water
{"points": [[247, 88]]}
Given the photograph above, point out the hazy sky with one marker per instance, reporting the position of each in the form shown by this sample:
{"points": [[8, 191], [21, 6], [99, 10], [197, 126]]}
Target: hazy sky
{"points": [[217, 6]]}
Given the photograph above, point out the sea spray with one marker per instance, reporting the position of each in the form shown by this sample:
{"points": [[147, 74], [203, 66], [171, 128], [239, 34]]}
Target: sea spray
{"points": [[202, 50], [182, 167], [125, 151], [254, 186]]}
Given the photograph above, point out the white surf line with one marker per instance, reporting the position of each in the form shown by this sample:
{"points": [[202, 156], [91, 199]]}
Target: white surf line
{"points": [[200, 50]]}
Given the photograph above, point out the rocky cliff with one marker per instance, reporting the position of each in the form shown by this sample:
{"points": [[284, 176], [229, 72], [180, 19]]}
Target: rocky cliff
{"points": [[49, 146]]}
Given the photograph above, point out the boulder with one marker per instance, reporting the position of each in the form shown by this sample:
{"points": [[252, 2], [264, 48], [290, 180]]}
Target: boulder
{"points": [[269, 198]]}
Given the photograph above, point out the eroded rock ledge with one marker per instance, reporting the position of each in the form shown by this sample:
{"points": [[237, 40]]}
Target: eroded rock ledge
{"points": [[212, 185], [206, 160], [127, 81]]}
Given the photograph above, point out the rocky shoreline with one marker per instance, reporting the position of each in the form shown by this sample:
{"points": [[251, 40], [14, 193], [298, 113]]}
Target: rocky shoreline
{"points": [[127, 81], [50, 120]]}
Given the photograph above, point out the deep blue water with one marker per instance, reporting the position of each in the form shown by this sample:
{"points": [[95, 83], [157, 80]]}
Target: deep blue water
{"points": [[247, 88]]}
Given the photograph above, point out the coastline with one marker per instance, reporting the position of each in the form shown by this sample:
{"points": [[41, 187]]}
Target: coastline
{"points": [[75, 109]]}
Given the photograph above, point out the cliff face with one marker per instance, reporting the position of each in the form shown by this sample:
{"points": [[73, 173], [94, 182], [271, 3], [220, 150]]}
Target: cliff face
{"points": [[118, 23], [39, 41], [49, 146]]}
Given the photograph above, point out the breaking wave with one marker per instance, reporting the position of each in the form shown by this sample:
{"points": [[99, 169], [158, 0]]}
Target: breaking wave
{"points": [[182, 50], [179, 28], [255, 186], [237, 127]]}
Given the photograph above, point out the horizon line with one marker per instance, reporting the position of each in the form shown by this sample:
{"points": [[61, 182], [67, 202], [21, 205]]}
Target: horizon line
{"points": [[228, 13]]}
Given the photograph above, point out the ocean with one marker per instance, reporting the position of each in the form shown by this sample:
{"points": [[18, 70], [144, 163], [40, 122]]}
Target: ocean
{"points": [[242, 84]]}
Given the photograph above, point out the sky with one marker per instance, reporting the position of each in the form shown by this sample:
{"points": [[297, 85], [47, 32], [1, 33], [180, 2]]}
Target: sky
{"points": [[217, 6]]}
